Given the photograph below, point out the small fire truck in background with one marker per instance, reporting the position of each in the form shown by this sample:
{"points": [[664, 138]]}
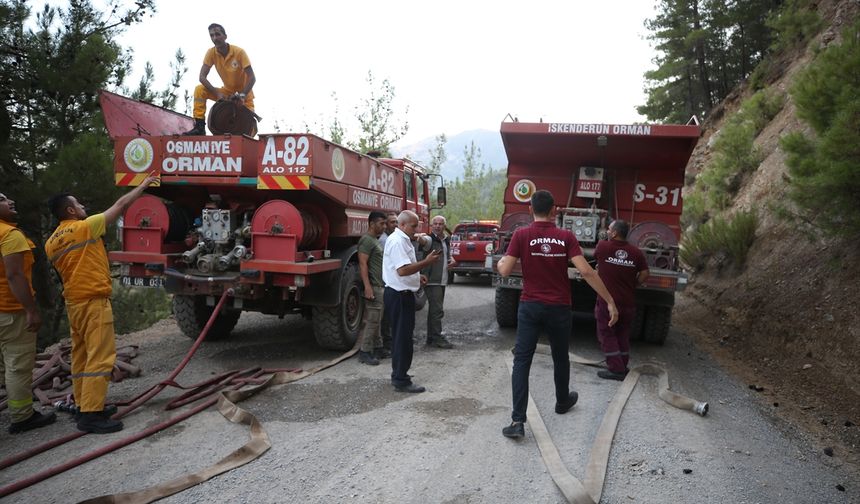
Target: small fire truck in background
{"points": [[471, 242], [597, 173], [276, 219]]}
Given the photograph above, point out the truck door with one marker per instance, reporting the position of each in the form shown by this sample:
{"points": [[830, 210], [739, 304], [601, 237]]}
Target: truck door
{"points": [[423, 193], [410, 197]]}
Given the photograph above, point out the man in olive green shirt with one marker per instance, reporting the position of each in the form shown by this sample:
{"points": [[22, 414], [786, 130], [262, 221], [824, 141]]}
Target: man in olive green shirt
{"points": [[370, 268]]}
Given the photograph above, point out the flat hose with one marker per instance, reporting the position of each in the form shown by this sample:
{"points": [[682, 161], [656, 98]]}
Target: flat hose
{"points": [[591, 490], [256, 446]]}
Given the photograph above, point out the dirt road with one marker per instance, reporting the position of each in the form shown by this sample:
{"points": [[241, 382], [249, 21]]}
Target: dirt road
{"points": [[344, 435]]}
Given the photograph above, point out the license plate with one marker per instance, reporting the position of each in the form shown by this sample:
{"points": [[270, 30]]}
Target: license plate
{"points": [[153, 281], [512, 282]]}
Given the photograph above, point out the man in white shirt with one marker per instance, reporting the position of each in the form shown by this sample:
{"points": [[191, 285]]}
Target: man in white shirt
{"points": [[401, 274], [385, 328]]}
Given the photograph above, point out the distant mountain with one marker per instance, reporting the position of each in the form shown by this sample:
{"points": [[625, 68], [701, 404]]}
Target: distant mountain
{"points": [[489, 142]]}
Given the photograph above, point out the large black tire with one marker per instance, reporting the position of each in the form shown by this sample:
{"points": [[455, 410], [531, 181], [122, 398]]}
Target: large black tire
{"points": [[636, 329], [507, 303], [192, 313], [658, 319], [337, 327]]}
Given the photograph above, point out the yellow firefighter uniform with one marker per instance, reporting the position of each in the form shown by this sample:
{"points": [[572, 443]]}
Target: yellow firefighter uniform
{"points": [[17, 345], [231, 69], [78, 253]]}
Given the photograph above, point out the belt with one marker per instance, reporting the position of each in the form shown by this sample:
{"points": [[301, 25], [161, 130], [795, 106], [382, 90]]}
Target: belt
{"points": [[402, 293]]}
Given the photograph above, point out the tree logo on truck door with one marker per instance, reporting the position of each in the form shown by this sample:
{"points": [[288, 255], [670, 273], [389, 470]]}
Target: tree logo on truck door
{"points": [[138, 155], [338, 164], [523, 190]]}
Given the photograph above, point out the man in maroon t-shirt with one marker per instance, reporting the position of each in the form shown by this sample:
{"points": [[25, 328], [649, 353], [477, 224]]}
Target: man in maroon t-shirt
{"points": [[545, 252], [621, 266]]}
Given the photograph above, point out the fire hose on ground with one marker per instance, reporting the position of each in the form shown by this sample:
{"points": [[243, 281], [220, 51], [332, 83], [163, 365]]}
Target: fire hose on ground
{"points": [[590, 490], [226, 400], [51, 373]]}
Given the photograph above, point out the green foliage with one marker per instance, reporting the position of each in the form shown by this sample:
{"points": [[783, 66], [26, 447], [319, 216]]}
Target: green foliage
{"points": [[761, 108], [705, 48], [377, 121], [51, 137], [794, 24], [724, 240], [824, 168], [695, 209], [140, 308], [336, 131], [167, 97], [438, 156], [735, 153], [479, 194]]}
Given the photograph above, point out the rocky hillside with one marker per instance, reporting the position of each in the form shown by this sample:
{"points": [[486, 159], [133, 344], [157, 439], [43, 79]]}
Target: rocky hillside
{"points": [[788, 321]]}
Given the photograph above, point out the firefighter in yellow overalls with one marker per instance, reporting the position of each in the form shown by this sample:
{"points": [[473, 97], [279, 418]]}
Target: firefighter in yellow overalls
{"points": [[233, 66], [19, 321], [78, 253]]}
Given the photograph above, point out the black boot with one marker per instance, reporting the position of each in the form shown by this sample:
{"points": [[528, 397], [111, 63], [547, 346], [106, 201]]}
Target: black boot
{"points": [[367, 358], [198, 129], [35, 421], [97, 423]]}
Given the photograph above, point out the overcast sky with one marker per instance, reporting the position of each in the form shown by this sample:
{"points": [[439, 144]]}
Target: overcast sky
{"points": [[456, 65]]}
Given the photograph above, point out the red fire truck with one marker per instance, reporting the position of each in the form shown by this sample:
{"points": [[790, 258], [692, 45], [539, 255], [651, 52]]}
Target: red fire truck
{"points": [[276, 219], [597, 173], [471, 242]]}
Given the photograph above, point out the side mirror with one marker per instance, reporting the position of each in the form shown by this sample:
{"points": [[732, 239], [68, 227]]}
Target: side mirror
{"points": [[441, 197]]}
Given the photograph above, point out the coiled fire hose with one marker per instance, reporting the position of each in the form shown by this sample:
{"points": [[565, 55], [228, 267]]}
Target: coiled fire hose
{"points": [[232, 117], [52, 374], [590, 490], [226, 400]]}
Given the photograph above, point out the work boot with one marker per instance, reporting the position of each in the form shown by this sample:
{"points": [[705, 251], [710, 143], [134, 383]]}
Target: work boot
{"points": [[440, 342], [367, 358], [410, 388], [198, 129], [97, 423], [563, 407], [610, 375], [108, 411], [35, 421], [513, 431], [381, 353]]}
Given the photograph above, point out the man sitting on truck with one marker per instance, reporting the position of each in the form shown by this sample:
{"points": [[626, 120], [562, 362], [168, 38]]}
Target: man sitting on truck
{"points": [[621, 266], [233, 66], [545, 251]]}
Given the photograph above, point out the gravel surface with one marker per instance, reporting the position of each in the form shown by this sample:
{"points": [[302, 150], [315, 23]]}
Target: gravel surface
{"points": [[344, 435]]}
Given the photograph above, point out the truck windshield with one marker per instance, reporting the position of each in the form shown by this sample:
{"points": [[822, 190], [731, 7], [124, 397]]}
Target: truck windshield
{"points": [[421, 197], [410, 187]]}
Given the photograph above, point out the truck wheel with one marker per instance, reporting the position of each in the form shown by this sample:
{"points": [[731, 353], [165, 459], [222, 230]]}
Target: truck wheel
{"points": [[450, 277], [337, 327], [658, 319], [636, 333], [192, 313], [507, 303]]}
